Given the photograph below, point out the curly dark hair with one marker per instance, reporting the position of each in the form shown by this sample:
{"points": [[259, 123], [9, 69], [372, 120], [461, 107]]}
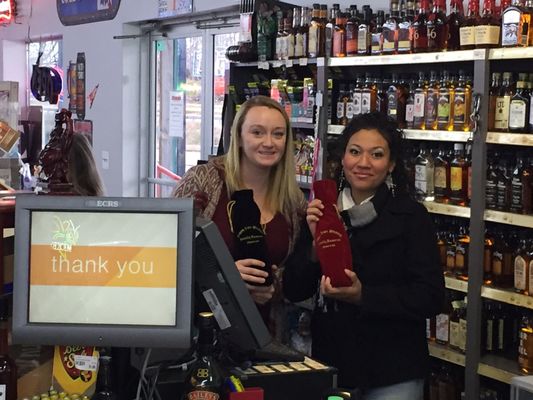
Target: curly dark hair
{"points": [[391, 132]]}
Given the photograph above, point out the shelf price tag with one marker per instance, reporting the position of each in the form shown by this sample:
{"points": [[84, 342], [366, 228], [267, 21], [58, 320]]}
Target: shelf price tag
{"points": [[85, 363], [263, 65], [288, 63], [303, 61]]}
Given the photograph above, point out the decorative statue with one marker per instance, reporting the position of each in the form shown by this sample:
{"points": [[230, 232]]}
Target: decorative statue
{"points": [[54, 157]]}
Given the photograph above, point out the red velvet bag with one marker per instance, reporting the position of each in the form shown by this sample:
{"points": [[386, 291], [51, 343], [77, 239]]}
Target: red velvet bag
{"points": [[331, 240]]}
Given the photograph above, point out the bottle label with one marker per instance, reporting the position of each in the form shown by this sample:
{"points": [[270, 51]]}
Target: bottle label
{"points": [[459, 108], [409, 112], [462, 334], [489, 346], [340, 109], [454, 334], [467, 36], [520, 273], [392, 105], [419, 105], [351, 46], [3, 390], [487, 34], [362, 41], [365, 103], [299, 46], [349, 110], [517, 114], [443, 110], [456, 178], [431, 106], [404, 37], [501, 116], [313, 41], [442, 327], [202, 395], [357, 103], [440, 177], [510, 27]]}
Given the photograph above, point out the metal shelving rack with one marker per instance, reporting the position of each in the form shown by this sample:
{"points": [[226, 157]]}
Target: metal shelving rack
{"points": [[479, 61]]}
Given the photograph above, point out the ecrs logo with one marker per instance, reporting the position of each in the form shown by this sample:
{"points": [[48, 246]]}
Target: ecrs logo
{"points": [[64, 236], [107, 203]]}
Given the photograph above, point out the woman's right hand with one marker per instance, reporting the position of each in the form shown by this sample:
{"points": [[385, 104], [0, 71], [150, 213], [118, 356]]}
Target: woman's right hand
{"points": [[314, 212], [253, 273]]}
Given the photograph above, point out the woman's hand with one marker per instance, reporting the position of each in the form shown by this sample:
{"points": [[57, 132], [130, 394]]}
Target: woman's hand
{"points": [[252, 271], [349, 294], [314, 212]]}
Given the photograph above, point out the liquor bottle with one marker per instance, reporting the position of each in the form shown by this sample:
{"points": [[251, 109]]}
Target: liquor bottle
{"points": [[463, 326], [461, 252], [437, 27], [316, 34], [527, 187], [468, 158], [352, 28], [458, 176], [516, 21], [204, 381], [381, 94], [424, 175], [420, 96], [368, 95], [289, 37], [390, 30], [104, 383], [339, 36], [324, 46], [445, 103], [442, 177], [301, 41], [349, 105], [432, 102], [503, 102], [467, 31], [455, 341], [519, 106], [488, 31], [462, 99], [442, 322], [503, 186], [364, 32], [493, 95], [8, 369], [420, 31], [502, 261], [487, 257], [521, 263], [292, 45], [525, 347], [357, 95], [407, 14], [410, 106], [280, 39], [451, 242], [491, 186], [342, 104], [396, 101], [455, 21], [376, 34], [490, 327]]}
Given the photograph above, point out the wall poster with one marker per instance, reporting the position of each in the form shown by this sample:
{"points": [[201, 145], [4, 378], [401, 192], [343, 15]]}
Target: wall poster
{"points": [[170, 8], [75, 12]]}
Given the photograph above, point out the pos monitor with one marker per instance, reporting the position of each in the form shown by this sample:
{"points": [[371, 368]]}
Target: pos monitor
{"points": [[103, 271]]}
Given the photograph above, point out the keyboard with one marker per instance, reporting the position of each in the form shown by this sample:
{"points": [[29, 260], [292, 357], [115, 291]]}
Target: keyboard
{"points": [[276, 351]]}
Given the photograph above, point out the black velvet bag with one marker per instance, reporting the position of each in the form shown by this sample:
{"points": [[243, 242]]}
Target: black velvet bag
{"points": [[245, 222]]}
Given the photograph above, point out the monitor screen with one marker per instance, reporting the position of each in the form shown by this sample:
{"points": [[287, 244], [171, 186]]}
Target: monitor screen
{"points": [[103, 271]]}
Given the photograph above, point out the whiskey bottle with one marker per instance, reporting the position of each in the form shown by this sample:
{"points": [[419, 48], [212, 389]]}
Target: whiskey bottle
{"points": [[488, 31], [390, 30], [368, 95], [442, 322], [516, 21], [301, 41], [396, 101], [461, 252], [424, 175], [410, 106], [503, 186], [294, 48], [527, 188], [357, 95], [463, 326], [407, 14], [316, 35], [352, 28], [442, 177], [458, 176], [502, 262], [461, 104], [324, 46], [521, 262], [364, 32], [204, 381], [342, 102], [455, 340], [489, 326], [455, 21], [451, 242], [432, 102], [280, 40], [519, 106], [467, 31], [503, 102], [468, 158], [491, 186], [381, 94], [493, 95], [525, 347], [437, 29], [104, 383], [376, 34], [350, 105], [8, 368], [487, 257], [339, 36], [419, 27], [445, 103], [420, 95], [289, 37]]}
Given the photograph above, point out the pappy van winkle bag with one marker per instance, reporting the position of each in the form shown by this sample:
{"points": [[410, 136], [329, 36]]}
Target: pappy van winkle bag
{"points": [[331, 240], [245, 222]]}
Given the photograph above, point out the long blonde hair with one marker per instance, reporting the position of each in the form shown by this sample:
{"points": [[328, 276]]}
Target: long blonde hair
{"points": [[283, 194]]}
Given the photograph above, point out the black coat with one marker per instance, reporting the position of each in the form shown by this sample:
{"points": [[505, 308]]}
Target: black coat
{"points": [[382, 340]]}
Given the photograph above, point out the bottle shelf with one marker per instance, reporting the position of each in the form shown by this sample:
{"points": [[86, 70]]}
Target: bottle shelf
{"points": [[416, 58], [441, 136], [498, 368], [279, 63], [514, 139], [447, 209], [507, 296], [509, 218], [510, 53], [445, 353], [455, 284]]}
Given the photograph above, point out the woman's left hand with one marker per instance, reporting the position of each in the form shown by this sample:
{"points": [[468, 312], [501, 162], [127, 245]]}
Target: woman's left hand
{"points": [[349, 294], [262, 294]]}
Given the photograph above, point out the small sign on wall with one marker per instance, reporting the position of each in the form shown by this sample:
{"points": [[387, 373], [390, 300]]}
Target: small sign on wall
{"points": [[75, 12], [169, 8], [176, 114]]}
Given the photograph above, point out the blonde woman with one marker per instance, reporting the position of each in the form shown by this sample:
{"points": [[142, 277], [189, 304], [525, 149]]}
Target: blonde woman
{"points": [[260, 158]]}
